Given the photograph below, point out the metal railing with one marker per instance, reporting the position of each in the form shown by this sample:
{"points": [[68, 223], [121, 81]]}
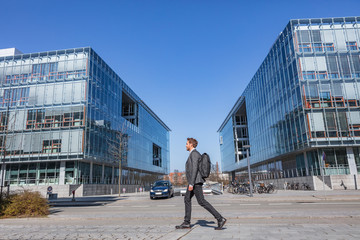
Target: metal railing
{"points": [[302, 172]]}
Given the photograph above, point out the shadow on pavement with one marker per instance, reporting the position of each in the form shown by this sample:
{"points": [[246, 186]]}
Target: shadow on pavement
{"points": [[205, 223], [53, 211], [84, 201]]}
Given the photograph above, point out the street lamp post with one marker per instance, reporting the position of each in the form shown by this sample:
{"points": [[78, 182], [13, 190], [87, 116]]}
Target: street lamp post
{"points": [[248, 162], [119, 177]]}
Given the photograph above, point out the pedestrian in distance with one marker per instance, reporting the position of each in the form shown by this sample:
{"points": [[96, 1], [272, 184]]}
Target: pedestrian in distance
{"points": [[196, 181]]}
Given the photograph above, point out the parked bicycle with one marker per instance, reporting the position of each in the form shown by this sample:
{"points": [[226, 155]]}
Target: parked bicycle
{"points": [[305, 186], [297, 186], [264, 188]]}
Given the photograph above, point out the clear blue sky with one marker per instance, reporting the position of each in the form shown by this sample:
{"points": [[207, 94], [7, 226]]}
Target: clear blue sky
{"points": [[188, 60]]}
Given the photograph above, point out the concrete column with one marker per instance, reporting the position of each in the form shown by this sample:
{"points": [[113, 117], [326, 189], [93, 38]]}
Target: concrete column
{"points": [[306, 164], [62, 173], [112, 175], [91, 173], [102, 173], [351, 160], [2, 171], [232, 175]]}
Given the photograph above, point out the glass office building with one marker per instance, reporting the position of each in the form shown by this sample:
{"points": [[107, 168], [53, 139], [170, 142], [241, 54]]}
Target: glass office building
{"points": [[62, 115], [301, 109]]}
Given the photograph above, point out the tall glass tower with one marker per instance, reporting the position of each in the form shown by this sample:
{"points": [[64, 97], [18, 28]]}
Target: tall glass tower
{"points": [[302, 107]]}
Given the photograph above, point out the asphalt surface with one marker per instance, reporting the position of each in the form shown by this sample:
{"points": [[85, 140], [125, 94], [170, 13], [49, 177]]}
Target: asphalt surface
{"points": [[283, 215]]}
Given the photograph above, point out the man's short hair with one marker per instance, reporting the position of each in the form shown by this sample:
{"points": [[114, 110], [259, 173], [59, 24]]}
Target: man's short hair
{"points": [[193, 142]]}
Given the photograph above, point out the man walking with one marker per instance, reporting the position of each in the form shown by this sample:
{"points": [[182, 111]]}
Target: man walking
{"points": [[195, 187]]}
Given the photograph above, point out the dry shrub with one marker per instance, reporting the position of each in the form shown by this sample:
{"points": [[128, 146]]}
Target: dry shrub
{"points": [[4, 203], [27, 204]]}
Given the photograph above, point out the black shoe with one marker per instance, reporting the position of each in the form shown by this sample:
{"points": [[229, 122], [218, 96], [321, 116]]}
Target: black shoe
{"points": [[221, 223], [183, 226]]}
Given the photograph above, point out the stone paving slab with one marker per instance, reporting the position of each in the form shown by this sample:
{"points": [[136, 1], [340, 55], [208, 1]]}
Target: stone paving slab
{"points": [[231, 231], [270, 219]]}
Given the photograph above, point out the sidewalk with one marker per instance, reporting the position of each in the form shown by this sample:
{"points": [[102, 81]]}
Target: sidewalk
{"points": [[298, 195], [96, 200], [277, 196], [283, 215]]}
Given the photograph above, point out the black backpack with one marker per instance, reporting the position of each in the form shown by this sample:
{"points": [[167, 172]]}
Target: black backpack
{"points": [[204, 165]]}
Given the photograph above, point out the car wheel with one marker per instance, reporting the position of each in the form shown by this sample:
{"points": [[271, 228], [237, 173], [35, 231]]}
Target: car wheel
{"points": [[151, 198]]}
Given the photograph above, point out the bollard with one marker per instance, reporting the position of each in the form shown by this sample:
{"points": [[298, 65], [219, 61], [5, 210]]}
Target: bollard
{"points": [[73, 198], [355, 182]]}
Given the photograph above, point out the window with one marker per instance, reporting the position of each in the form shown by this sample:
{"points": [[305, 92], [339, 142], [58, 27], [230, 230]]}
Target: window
{"points": [[343, 126], [351, 46], [304, 47], [156, 155], [325, 96], [129, 109], [308, 75], [318, 47], [329, 47], [325, 99], [329, 118], [322, 75], [332, 66], [2, 147], [44, 71], [3, 121], [51, 146], [334, 75], [16, 78], [355, 128], [355, 59], [345, 66], [15, 97], [38, 119], [240, 120], [49, 71], [68, 119]]}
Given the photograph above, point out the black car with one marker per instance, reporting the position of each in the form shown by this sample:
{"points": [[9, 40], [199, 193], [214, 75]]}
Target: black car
{"points": [[161, 189]]}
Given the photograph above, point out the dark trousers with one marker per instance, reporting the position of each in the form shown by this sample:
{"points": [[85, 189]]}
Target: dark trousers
{"points": [[198, 192]]}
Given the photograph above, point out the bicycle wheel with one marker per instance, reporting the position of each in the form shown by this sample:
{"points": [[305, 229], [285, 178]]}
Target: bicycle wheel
{"points": [[271, 190]]}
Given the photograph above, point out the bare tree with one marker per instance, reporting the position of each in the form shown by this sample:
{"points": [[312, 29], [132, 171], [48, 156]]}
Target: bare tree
{"points": [[118, 149], [176, 177], [6, 120]]}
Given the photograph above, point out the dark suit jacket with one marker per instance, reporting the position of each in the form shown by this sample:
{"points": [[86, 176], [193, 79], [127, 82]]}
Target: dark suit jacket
{"points": [[192, 168]]}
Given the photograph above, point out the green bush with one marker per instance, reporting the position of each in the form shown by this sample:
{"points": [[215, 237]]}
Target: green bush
{"points": [[26, 204]]}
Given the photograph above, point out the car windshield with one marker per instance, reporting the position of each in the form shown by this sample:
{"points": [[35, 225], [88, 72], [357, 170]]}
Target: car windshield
{"points": [[160, 184]]}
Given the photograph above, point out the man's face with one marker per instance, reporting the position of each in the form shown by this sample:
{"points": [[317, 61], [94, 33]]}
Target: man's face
{"points": [[188, 146]]}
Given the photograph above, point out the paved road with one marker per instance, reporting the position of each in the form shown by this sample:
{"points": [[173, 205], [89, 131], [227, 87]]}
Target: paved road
{"points": [[292, 215]]}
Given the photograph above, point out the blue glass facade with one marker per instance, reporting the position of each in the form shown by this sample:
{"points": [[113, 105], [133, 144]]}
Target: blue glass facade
{"points": [[227, 144], [303, 101], [61, 115]]}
